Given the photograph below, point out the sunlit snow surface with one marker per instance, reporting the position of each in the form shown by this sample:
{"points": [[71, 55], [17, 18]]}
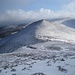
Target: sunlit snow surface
{"points": [[43, 58], [42, 48], [36, 32]]}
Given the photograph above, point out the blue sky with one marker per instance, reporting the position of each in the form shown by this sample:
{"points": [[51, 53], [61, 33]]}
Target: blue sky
{"points": [[12, 11], [28, 5]]}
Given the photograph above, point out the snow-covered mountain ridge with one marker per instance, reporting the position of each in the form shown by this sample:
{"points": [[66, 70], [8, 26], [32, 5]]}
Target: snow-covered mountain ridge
{"points": [[48, 31], [36, 32], [41, 48]]}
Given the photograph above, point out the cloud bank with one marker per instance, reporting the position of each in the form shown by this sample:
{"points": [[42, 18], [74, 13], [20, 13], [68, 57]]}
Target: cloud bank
{"points": [[21, 15]]}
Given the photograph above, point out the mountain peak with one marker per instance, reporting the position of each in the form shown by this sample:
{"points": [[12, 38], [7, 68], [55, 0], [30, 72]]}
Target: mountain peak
{"points": [[36, 32], [42, 20]]}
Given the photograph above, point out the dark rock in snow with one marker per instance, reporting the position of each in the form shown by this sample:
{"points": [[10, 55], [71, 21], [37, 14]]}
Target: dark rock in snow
{"points": [[38, 74]]}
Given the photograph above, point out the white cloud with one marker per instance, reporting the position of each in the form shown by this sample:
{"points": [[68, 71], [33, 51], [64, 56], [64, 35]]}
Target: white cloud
{"points": [[30, 15], [70, 7], [68, 10]]}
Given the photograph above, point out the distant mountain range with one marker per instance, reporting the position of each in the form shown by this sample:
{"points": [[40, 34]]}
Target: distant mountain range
{"points": [[70, 23]]}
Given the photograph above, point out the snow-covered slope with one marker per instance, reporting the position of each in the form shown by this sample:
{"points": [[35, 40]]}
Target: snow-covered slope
{"points": [[55, 31], [36, 32], [39, 49], [47, 58]]}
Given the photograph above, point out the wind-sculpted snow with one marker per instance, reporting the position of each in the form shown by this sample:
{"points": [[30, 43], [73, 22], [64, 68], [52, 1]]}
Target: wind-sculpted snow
{"points": [[42, 48], [40, 59], [36, 32]]}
